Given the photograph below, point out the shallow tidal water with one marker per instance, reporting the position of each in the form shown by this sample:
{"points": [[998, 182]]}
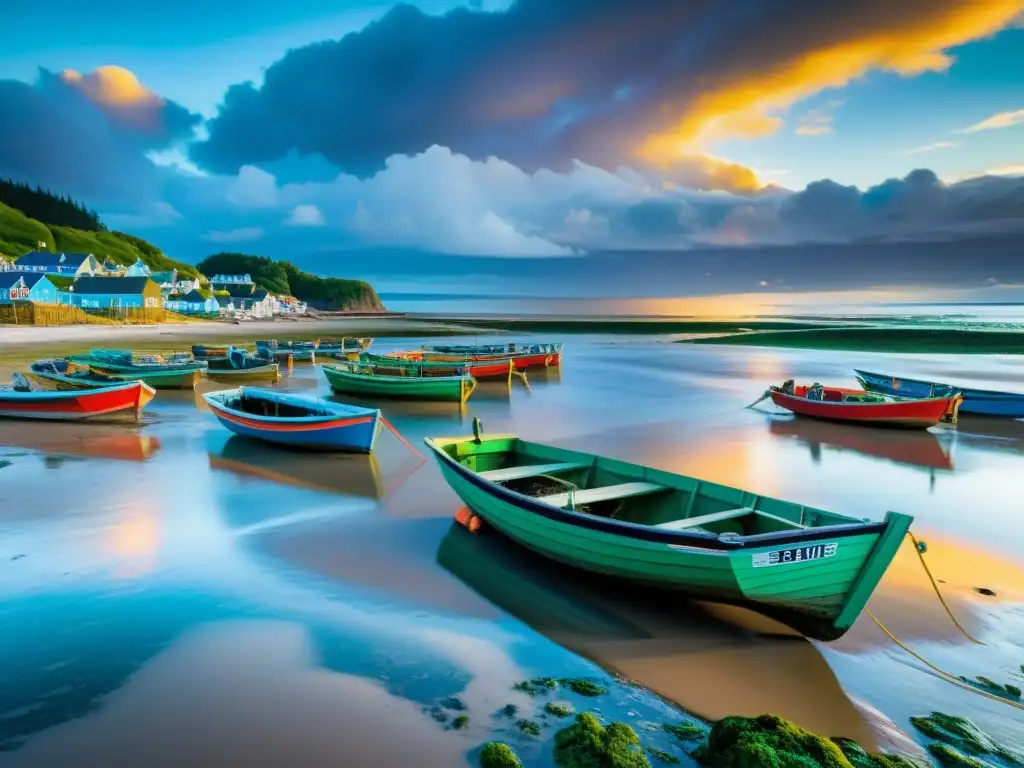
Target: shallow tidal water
{"points": [[173, 595]]}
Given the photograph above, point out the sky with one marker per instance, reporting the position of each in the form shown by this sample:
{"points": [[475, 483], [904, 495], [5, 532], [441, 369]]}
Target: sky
{"points": [[407, 142]]}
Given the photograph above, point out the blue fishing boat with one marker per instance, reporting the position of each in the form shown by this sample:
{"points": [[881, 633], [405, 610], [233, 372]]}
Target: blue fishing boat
{"points": [[299, 351], [294, 420], [978, 401]]}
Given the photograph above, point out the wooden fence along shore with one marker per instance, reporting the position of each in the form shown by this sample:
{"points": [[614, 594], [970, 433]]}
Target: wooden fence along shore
{"points": [[31, 313]]}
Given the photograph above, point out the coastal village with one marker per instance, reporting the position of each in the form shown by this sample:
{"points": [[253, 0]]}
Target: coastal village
{"points": [[82, 280]]}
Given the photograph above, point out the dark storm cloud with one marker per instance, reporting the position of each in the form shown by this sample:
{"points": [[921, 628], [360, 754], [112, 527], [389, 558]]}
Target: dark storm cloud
{"points": [[918, 206], [85, 137], [550, 81]]}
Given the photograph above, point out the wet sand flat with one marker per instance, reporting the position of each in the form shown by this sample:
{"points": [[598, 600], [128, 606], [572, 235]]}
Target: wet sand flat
{"points": [[137, 557]]}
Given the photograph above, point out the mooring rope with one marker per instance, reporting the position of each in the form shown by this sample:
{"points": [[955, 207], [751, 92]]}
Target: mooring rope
{"points": [[396, 433], [919, 548]]}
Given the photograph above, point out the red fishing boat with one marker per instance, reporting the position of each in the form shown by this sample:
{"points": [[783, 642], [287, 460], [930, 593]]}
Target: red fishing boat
{"points": [[523, 356], [76, 404], [858, 407]]}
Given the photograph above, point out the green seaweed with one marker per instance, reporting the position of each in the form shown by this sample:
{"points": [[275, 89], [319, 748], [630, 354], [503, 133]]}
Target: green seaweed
{"points": [[771, 741], [536, 685], [583, 687], [950, 757], [529, 727], [685, 731], [558, 709], [453, 702], [460, 722], [588, 744], [1007, 691], [963, 735], [663, 756], [497, 754]]}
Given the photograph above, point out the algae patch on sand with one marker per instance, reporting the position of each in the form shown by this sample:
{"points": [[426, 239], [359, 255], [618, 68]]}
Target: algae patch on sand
{"points": [[962, 736], [588, 744], [768, 740], [496, 754]]}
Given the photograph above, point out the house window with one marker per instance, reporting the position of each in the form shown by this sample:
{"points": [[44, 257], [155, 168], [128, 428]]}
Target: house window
{"points": [[150, 301]]}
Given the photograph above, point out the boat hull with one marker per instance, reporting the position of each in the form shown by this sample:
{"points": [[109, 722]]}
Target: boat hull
{"points": [[904, 414], [982, 402], [187, 379], [521, 362], [818, 597], [444, 388], [203, 352], [264, 374], [350, 433], [487, 369], [76, 405]]}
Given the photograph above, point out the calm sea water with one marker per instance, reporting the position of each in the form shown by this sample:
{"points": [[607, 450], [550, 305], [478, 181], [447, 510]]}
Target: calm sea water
{"points": [[1011, 314], [171, 595]]}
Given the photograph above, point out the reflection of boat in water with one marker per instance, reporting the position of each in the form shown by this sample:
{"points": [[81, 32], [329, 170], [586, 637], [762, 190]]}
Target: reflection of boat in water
{"points": [[678, 648], [94, 441], [350, 474], [919, 448]]}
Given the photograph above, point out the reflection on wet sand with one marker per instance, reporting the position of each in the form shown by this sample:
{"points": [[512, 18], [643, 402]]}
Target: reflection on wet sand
{"points": [[918, 448], [97, 441], [671, 645], [292, 712], [351, 474], [991, 434]]}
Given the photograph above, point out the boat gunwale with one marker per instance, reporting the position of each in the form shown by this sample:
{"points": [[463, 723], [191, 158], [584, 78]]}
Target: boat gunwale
{"points": [[69, 394], [342, 410], [334, 368], [993, 394], [710, 542]]}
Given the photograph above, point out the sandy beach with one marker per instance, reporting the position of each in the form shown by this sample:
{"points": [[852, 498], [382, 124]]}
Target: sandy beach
{"points": [[35, 335]]}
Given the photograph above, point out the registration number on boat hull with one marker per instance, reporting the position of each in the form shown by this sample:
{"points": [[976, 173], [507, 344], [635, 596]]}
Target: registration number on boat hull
{"points": [[795, 555]]}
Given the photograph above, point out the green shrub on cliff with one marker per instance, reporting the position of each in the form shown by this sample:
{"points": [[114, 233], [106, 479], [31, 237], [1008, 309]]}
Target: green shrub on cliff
{"points": [[282, 277]]}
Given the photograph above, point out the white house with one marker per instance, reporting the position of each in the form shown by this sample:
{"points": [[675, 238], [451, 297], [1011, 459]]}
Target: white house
{"points": [[184, 285], [228, 280], [138, 269]]}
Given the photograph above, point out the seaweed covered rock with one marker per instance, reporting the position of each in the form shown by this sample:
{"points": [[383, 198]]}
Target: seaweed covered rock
{"points": [[558, 709], [588, 744], [497, 754], [685, 731], [963, 735], [772, 742], [536, 685], [950, 757], [529, 727], [583, 687]]}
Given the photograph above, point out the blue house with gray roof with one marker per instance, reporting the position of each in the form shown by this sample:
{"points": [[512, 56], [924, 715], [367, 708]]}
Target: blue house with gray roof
{"points": [[69, 264]]}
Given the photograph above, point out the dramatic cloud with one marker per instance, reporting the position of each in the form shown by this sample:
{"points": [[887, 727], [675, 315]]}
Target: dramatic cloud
{"points": [[931, 147], [87, 135], [997, 121], [606, 82], [305, 216], [240, 235]]}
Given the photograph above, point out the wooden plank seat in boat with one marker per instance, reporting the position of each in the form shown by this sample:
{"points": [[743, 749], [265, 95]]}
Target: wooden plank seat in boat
{"points": [[529, 470], [715, 517], [699, 520], [604, 493]]}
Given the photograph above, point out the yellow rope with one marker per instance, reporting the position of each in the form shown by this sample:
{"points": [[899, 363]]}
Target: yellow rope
{"points": [[940, 672], [935, 586]]}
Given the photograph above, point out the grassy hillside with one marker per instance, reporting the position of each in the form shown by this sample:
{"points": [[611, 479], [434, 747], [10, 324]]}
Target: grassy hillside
{"points": [[282, 277], [20, 234]]}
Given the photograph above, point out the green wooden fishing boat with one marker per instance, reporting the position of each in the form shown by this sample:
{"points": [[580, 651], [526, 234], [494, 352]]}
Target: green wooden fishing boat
{"points": [[355, 378], [810, 569], [179, 372]]}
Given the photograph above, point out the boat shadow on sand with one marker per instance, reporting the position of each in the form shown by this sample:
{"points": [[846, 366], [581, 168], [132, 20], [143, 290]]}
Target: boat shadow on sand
{"points": [[712, 660], [108, 439]]}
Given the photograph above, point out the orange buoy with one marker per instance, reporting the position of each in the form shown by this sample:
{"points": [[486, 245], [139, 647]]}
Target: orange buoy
{"points": [[462, 516], [475, 523]]}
